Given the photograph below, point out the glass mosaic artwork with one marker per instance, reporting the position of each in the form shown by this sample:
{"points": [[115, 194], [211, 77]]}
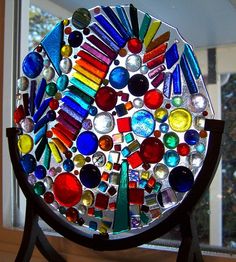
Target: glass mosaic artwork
{"points": [[112, 105]]}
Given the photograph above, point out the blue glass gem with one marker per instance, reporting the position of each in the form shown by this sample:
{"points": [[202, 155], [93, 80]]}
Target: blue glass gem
{"points": [[75, 38], [172, 56], [121, 110], [171, 158], [143, 123], [119, 77], [164, 128], [32, 65], [191, 137], [116, 22], [28, 163], [62, 82], [51, 115], [110, 30], [93, 111], [181, 179], [177, 80], [192, 87], [87, 143], [192, 61], [93, 225], [68, 165], [52, 46], [90, 176], [200, 148], [40, 172]]}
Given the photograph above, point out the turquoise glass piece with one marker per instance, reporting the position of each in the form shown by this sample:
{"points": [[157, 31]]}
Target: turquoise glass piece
{"points": [[82, 95], [99, 32], [167, 84], [144, 27], [172, 56], [143, 123], [116, 22], [47, 157], [125, 151], [110, 30], [84, 106], [177, 88], [81, 86], [52, 45], [40, 149], [121, 217], [78, 107], [134, 20], [192, 87], [62, 82], [171, 158], [129, 138], [124, 19], [40, 93], [192, 61]]}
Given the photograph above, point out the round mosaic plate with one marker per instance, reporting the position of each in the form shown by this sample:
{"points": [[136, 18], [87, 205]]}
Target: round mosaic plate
{"points": [[112, 107]]}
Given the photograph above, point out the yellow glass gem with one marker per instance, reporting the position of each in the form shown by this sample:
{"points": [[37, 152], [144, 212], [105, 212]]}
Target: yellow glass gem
{"points": [[145, 175], [108, 166], [66, 51], [66, 22], [55, 152], [151, 32], [79, 160], [25, 143], [102, 230], [180, 120], [87, 198], [161, 115]]}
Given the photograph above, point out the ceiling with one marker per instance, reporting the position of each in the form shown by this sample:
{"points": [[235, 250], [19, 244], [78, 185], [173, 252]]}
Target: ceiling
{"points": [[203, 23]]}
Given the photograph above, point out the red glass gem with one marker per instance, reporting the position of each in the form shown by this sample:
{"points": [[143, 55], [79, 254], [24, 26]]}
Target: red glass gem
{"points": [[135, 46], [19, 114], [124, 124], [112, 206], [203, 133], [101, 201], [106, 98], [68, 154], [91, 211], [68, 30], [49, 134], [135, 159], [112, 191], [72, 214], [151, 181], [204, 113], [136, 196], [157, 133], [152, 150], [116, 166], [153, 99], [183, 149], [132, 184], [168, 106], [48, 197], [148, 189], [105, 176], [67, 189], [76, 172], [117, 147], [146, 166], [54, 104], [39, 48]]}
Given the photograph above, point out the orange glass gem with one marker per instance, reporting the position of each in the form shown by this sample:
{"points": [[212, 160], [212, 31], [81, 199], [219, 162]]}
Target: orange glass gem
{"points": [[71, 214], [123, 52], [105, 143], [68, 30], [129, 105], [203, 134], [157, 133]]}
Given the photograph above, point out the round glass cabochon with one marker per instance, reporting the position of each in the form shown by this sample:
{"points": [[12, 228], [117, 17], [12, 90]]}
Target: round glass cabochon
{"points": [[112, 109]]}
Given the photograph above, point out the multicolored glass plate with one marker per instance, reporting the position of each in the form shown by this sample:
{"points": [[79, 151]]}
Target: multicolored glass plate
{"points": [[112, 105]]}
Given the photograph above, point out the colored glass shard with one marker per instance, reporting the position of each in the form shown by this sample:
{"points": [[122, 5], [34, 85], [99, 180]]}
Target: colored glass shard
{"points": [[121, 217], [124, 19], [167, 85], [134, 20], [32, 96], [116, 22], [158, 41], [86, 89], [156, 61], [75, 102], [151, 32], [40, 93], [192, 87], [192, 61], [40, 148], [144, 26], [93, 51], [172, 56], [177, 88], [52, 45], [86, 81], [72, 113], [104, 48], [41, 109], [40, 134], [155, 52], [47, 157], [158, 79], [99, 32], [69, 119]]}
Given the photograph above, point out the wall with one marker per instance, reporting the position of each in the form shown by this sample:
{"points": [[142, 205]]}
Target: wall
{"points": [[10, 239]]}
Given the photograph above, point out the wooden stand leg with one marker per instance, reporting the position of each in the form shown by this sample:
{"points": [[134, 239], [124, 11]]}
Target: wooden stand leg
{"points": [[189, 250], [33, 235]]}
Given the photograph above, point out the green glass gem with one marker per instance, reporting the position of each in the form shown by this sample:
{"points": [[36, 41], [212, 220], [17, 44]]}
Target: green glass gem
{"points": [[51, 89], [62, 210], [47, 157], [177, 101], [129, 138], [98, 214], [157, 187], [144, 218], [39, 188], [171, 140]]}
